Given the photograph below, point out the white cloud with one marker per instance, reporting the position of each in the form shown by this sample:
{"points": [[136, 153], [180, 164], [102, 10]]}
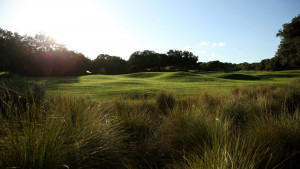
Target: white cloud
{"points": [[188, 48], [221, 44], [201, 52], [215, 54], [204, 43]]}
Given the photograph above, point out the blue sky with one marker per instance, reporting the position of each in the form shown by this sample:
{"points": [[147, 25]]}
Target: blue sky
{"points": [[226, 30]]}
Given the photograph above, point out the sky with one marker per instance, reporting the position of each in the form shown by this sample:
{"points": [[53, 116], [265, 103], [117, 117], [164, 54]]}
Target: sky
{"points": [[233, 31]]}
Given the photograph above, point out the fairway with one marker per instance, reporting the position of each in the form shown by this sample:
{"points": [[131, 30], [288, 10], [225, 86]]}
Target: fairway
{"points": [[146, 84]]}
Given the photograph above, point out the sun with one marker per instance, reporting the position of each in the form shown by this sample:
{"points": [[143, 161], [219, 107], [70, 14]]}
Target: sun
{"points": [[68, 21], [87, 26], [60, 18]]}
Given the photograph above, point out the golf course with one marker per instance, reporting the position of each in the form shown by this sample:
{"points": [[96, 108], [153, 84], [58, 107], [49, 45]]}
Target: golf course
{"points": [[136, 84], [147, 84]]}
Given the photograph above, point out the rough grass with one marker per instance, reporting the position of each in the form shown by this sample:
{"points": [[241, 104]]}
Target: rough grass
{"points": [[63, 132], [248, 127]]}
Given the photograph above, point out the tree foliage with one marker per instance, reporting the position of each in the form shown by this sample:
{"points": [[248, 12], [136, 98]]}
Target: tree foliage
{"points": [[105, 64], [143, 60], [150, 60], [288, 53], [182, 59], [38, 56]]}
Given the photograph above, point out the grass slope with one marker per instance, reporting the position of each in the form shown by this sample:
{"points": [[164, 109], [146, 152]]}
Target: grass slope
{"points": [[146, 84]]}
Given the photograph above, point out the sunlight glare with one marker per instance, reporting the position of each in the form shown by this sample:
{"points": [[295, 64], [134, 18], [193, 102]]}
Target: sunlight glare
{"points": [[81, 25]]}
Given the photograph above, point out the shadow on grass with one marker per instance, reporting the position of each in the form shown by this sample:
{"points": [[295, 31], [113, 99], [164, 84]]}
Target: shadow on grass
{"points": [[240, 77], [269, 76], [143, 75], [60, 80], [22, 83]]}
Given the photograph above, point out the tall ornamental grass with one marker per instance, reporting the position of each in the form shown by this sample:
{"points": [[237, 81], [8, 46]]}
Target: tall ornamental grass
{"points": [[249, 127]]}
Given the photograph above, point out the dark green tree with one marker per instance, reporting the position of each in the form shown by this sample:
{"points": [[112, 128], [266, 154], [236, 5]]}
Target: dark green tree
{"points": [[38, 56], [106, 64], [142, 60], [181, 59], [288, 53]]}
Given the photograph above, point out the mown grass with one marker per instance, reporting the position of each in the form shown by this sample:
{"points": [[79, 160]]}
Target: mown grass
{"points": [[146, 84], [247, 127]]}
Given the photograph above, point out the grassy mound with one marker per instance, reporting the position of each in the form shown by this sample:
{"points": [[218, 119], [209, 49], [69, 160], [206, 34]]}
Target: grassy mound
{"points": [[144, 75], [179, 75], [235, 76], [187, 77]]}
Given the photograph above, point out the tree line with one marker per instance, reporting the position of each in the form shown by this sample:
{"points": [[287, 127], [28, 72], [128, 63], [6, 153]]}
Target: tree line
{"points": [[42, 56], [38, 56]]}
